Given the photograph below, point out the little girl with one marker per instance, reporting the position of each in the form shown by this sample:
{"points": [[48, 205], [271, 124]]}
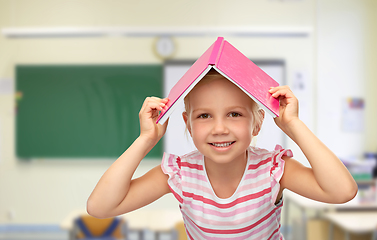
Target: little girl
{"points": [[226, 189]]}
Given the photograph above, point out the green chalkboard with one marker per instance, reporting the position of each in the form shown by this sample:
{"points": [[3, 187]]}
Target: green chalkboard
{"points": [[82, 111]]}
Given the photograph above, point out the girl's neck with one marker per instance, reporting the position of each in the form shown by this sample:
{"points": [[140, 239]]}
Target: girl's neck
{"points": [[225, 177]]}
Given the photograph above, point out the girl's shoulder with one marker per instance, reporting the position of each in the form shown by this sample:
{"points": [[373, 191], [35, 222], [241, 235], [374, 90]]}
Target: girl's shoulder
{"points": [[260, 153], [257, 151], [173, 160], [194, 155]]}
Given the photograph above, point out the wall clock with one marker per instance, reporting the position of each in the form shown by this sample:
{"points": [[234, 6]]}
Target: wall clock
{"points": [[164, 47]]}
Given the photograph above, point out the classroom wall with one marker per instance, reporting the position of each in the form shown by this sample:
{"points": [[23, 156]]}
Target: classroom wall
{"points": [[346, 58], [371, 75], [44, 191]]}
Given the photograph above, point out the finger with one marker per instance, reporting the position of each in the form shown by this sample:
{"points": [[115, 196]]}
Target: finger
{"points": [[165, 123], [145, 103], [160, 99], [153, 103], [279, 92], [274, 89], [154, 99], [283, 91], [151, 110], [282, 101], [163, 100]]}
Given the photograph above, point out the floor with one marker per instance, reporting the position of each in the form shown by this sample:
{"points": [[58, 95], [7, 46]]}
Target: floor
{"points": [[55, 233], [32, 232]]}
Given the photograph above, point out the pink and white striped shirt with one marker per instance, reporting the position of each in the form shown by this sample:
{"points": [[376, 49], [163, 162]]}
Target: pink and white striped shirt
{"points": [[250, 213]]}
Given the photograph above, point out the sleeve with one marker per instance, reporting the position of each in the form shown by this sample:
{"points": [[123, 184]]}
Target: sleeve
{"points": [[171, 165], [277, 169]]}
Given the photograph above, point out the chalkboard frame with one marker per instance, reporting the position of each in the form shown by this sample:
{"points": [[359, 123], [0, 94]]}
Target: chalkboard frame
{"points": [[82, 111]]}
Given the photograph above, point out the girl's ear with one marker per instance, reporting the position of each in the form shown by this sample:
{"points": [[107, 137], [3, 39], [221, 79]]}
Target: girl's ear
{"points": [[187, 122], [259, 121]]}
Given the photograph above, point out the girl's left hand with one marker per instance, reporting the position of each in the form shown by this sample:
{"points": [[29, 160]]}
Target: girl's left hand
{"points": [[288, 110]]}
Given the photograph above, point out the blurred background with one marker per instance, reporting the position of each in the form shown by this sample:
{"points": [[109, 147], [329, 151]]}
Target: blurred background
{"points": [[55, 56]]}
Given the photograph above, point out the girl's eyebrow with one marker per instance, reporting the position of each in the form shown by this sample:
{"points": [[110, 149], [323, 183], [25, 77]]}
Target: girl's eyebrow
{"points": [[235, 107], [201, 110], [227, 109], [231, 108]]}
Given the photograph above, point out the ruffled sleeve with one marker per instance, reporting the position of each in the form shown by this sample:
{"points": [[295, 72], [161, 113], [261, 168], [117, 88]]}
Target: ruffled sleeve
{"points": [[277, 169], [171, 165]]}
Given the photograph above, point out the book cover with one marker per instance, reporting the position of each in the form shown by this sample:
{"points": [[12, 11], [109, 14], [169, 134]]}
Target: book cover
{"points": [[234, 66]]}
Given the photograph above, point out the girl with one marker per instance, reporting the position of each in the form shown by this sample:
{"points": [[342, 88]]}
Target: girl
{"points": [[226, 189]]}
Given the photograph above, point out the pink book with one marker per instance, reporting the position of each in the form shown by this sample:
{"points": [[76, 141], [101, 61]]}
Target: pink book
{"points": [[234, 66]]}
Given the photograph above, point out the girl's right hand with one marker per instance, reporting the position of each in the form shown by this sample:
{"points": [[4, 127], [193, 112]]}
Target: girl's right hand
{"points": [[148, 116]]}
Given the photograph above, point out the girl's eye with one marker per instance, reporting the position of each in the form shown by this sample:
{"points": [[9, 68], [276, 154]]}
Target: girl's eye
{"points": [[204, 115], [234, 114]]}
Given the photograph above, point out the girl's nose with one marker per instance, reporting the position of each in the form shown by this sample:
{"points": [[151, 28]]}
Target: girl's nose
{"points": [[220, 127]]}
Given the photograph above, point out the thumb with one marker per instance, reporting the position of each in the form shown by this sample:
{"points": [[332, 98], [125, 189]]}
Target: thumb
{"points": [[165, 125]]}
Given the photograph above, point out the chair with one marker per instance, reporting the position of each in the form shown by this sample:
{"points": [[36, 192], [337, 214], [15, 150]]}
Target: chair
{"points": [[87, 227], [181, 230]]}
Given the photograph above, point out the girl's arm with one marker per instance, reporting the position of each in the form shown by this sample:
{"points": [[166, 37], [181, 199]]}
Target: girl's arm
{"points": [[115, 192], [328, 180]]}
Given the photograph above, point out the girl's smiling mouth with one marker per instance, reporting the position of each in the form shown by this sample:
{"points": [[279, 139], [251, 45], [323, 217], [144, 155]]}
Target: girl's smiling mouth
{"points": [[222, 144]]}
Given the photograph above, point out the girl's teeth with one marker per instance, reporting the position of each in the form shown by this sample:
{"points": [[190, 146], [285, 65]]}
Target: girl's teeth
{"points": [[221, 144]]}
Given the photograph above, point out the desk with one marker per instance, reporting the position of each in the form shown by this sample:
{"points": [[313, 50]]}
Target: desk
{"points": [[304, 202], [291, 198], [155, 220], [141, 219], [353, 222]]}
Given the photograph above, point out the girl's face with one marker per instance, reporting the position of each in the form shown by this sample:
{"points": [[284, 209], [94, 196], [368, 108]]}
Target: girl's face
{"points": [[220, 120]]}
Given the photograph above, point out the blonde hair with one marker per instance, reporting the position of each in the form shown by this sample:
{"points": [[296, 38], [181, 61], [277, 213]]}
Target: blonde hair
{"points": [[212, 75]]}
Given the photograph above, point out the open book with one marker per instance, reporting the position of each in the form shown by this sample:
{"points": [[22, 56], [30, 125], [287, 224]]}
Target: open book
{"points": [[234, 66]]}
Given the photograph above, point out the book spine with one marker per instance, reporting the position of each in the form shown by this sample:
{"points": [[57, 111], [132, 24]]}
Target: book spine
{"points": [[216, 51]]}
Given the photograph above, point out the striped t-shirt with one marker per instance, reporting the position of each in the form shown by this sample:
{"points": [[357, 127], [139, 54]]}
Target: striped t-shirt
{"points": [[250, 213]]}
